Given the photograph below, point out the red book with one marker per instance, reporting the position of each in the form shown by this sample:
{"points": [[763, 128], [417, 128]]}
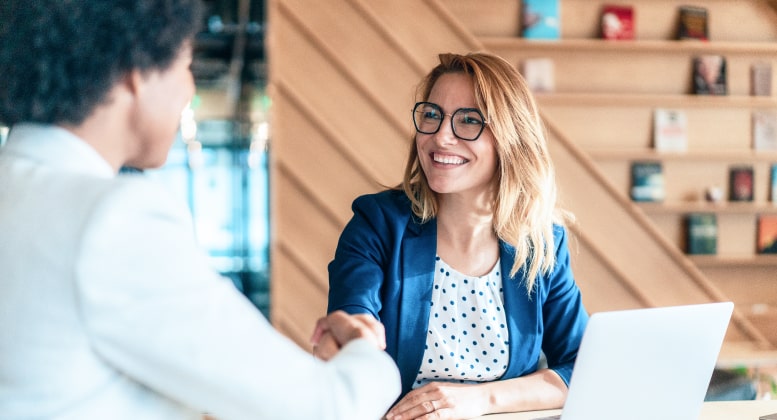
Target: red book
{"points": [[741, 183], [617, 22]]}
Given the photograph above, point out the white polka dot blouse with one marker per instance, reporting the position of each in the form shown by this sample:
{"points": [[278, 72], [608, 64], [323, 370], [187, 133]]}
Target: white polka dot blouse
{"points": [[467, 337]]}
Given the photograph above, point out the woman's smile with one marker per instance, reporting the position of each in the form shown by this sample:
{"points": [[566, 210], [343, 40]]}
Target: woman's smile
{"points": [[446, 159]]}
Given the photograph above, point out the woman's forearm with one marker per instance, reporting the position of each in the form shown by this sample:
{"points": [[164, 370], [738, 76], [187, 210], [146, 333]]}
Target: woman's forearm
{"points": [[540, 390]]}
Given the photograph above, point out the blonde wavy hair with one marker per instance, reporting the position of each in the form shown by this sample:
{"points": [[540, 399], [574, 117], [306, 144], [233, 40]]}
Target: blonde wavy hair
{"points": [[525, 208]]}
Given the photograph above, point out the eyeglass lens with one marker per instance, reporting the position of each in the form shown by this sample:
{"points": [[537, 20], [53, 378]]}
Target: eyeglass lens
{"points": [[467, 123]]}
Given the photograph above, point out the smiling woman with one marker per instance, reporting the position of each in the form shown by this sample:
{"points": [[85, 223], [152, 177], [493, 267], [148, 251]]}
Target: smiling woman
{"points": [[466, 263]]}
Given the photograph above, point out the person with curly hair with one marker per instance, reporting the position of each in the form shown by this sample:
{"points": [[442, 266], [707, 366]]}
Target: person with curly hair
{"points": [[108, 308], [466, 263]]}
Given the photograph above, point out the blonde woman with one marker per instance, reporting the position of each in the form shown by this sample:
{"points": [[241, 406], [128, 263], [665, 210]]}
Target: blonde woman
{"points": [[466, 264]]}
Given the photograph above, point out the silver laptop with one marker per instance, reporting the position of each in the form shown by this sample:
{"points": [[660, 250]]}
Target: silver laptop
{"points": [[651, 364]]}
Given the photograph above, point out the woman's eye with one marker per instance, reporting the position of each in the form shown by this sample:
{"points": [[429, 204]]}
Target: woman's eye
{"points": [[432, 115], [471, 119]]}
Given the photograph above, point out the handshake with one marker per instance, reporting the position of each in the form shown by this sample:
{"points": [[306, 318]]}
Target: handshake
{"points": [[335, 330]]}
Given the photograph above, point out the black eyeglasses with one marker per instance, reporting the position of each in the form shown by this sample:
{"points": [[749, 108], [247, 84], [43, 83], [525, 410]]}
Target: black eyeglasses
{"points": [[467, 123]]}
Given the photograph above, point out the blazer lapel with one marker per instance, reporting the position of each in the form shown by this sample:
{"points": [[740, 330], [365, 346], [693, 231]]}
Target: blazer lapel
{"points": [[522, 313], [419, 247]]}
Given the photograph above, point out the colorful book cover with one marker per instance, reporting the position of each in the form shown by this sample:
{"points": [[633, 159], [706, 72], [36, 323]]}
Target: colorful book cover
{"points": [[761, 78], [539, 74], [702, 233], [647, 181], [540, 19], [765, 130], [773, 183], [741, 183], [767, 234], [670, 130], [693, 23], [709, 75], [617, 22]]}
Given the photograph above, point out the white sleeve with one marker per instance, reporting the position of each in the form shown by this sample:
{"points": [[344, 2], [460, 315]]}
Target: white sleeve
{"points": [[157, 311]]}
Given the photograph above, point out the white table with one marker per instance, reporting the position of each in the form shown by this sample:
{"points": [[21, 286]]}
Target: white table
{"points": [[719, 410]]}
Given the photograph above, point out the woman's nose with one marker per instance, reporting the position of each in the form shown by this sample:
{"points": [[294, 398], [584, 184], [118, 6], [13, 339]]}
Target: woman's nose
{"points": [[445, 134]]}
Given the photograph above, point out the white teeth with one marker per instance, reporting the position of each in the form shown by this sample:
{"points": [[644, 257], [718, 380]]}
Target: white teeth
{"points": [[450, 160]]}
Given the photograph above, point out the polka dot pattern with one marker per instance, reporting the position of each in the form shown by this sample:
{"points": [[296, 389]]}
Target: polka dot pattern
{"points": [[467, 338]]}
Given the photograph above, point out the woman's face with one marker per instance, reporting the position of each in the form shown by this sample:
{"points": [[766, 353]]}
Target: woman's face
{"points": [[453, 165], [164, 96]]}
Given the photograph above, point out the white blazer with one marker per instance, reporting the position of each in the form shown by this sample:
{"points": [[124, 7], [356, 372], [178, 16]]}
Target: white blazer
{"points": [[109, 310]]}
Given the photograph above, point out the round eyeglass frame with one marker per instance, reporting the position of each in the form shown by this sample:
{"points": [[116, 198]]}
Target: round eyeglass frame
{"points": [[453, 127]]}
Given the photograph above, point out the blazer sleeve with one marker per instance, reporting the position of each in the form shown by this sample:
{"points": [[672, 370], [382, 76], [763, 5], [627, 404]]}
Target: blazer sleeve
{"points": [[564, 315], [366, 246], [157, 312]]}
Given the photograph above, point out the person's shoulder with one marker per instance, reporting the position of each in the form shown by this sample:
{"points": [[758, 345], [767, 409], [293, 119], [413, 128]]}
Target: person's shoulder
{"points": [[559, 232], [390, 201], [137, 192]]}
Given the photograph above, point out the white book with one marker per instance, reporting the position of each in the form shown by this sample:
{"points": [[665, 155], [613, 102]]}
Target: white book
{"points": [[670, 130], [764, 130], [539, 74]]}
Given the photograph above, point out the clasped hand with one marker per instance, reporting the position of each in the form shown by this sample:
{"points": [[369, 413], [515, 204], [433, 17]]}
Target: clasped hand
{"points": [[335, 330]]}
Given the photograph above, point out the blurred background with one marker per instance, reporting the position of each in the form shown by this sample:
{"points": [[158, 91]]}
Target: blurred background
{"points": [[219, 163]]}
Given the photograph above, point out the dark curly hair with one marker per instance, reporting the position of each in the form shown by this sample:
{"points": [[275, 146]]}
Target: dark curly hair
{"points": [[60, 58]]}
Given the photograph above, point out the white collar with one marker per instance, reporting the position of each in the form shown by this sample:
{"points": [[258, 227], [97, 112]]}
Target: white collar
{"points": [[55, 147]]}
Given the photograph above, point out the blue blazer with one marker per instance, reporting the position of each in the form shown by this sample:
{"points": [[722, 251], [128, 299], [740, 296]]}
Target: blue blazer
{"points": [[384, 266]]}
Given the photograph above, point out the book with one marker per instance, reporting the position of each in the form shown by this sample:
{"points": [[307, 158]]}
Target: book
{"points": [[693, 23], [709, 75], [701, 233], [539, 74], [617, 22], [647, 181], [741, 183], [773, 183], [767, 234], [540, 19], [761, 78], [670, 130], [764, 130]]}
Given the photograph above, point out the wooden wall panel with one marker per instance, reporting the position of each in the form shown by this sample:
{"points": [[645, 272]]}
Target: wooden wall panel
{"points": [[342, 78], [298, 304], [341, 36], [304, 227], [376, 138], [317, 161]]}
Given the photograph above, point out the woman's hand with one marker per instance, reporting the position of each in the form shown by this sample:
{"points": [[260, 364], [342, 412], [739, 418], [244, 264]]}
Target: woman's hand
{"points": [[441, 400], [333, 331]]}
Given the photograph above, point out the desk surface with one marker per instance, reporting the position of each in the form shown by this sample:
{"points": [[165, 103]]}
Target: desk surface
{"points": [[723, 410]]}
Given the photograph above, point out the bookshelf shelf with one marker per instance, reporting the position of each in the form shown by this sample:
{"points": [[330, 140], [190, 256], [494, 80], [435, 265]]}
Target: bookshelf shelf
{"points": [[704, 207], [656, 100], [715, 261], [638, 45], [736, 155]]}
